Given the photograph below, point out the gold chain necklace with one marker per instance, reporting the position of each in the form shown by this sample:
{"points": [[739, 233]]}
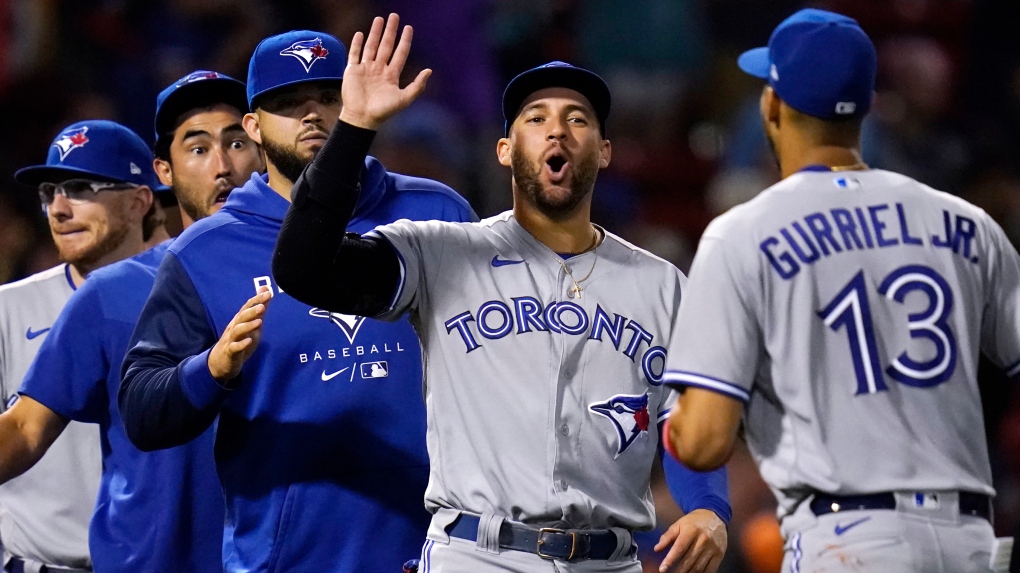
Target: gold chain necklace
{"points": [[575, 291], [859, 166]]}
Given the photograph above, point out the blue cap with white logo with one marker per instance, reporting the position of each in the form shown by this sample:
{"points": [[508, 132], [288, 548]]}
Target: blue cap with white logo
{"points": [[296, 57], [556, 75], [819, 63], [96, 149], [198, 89]]}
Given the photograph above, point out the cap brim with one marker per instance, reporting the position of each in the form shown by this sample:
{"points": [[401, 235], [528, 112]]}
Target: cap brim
{"points": [[580, 80], [254, 98], [755, 62], [36, 174], [202, 93]]}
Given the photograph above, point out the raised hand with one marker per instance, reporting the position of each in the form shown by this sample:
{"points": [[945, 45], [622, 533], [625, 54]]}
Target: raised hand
{"points": [[371, 88], [239, 339]]}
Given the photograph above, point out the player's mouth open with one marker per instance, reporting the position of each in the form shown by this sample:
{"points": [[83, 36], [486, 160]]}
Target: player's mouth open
{"points": [[222, 197], [557, 165]]}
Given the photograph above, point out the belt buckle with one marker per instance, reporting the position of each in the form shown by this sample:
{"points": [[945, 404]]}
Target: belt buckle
{"points": [[544, 530]]}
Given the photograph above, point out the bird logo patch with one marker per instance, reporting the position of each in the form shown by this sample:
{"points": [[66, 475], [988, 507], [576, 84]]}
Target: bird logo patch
{"points": [[307, 52], [348, 323], [629, 415], [70, 140]]}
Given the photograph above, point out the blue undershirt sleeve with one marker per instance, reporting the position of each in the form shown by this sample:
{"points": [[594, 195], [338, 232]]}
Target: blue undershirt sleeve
{"points": [[167, 395], [697, 490]]}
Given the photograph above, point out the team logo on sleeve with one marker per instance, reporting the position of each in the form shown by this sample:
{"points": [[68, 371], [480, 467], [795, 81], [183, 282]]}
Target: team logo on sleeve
{"points": [[307, 52], [629, 415], [71, 140], [348, 323]]}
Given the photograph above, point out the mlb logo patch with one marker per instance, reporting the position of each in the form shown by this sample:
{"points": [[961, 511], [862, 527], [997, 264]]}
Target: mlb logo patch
{"points": [[71, 140], [307, 52], [375, 369], [849, 183], [924, 500]]}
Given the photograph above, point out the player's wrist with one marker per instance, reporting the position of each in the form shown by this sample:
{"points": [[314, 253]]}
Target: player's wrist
{"points": [[360, 119]]}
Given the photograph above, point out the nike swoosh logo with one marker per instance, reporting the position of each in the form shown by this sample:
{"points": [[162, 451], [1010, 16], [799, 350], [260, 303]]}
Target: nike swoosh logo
{"points": [[328, 377], [30, 335], [841, 529], [498, 262]]}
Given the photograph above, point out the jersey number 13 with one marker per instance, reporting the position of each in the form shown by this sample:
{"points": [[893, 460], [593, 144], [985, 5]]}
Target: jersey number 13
{"points": [[851, 310]]}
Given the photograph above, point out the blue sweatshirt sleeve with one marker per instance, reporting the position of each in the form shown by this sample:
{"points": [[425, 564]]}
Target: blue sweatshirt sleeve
{"points": [[167, 395], [68, 375]]}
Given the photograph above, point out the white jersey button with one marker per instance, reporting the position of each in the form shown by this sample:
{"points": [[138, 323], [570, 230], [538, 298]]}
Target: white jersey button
{"points": [[564, 429]]}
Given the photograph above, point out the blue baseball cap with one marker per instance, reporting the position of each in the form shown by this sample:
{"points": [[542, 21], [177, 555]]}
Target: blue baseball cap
{"points": [[556, 75], [201, 88], [819, 63], [99, 150], [296, 57]]}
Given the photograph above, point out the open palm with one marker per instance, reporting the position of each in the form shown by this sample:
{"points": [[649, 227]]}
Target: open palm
{"points": [[371, 88]]}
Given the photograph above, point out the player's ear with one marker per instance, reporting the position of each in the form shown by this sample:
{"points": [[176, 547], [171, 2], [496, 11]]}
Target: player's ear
{"points": [[605, 154], [770, 106], [142, 201], [250, 123], [164, 171], [503, 151]]}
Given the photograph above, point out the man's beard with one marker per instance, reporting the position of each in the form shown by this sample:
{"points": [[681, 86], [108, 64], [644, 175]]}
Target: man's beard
{"points": [[192, 209], [286, 160], [88, 258], [582, 181]]}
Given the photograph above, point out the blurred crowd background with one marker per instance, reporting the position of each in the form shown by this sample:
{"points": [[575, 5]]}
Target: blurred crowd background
{"points": [[687, 140]]}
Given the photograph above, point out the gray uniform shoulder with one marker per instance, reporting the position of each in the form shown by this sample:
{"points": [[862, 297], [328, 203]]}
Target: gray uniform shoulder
{"points": [[643, 261], [42, 285], [28, 283]]}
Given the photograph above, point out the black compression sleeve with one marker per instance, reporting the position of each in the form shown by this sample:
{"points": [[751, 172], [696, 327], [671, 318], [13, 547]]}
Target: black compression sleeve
{"points": [[315, 260]]}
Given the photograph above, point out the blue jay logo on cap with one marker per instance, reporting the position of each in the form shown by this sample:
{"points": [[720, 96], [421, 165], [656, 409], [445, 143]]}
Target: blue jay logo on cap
{"points": [[307, 52], [196, 76], [71, 140]]}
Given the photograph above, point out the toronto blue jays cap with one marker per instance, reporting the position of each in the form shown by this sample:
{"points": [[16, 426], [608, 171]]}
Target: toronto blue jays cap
{"points": [[96, 149], [296, 57], [197, 89], [556, 75], [819, 63]]}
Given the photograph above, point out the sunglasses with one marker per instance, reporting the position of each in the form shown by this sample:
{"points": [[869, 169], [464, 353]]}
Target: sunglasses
{"points": [[77, 190]]}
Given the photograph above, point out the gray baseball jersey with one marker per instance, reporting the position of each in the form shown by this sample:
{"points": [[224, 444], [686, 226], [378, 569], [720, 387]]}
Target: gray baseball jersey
{"points": [[847, 309], [542, 408], [45, 512]]}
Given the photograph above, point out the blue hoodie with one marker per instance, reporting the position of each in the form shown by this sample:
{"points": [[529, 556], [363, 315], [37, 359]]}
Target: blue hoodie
{"points": [[156, 511], [320, 446]]}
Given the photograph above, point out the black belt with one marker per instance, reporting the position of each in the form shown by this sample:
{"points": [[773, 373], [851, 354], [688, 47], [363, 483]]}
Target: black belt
{"points": [[975, 504], [17, 565], [547, 542]]}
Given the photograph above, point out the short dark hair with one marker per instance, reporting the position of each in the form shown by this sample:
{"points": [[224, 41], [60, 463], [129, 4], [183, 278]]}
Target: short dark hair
{"points": [[162, 147]]}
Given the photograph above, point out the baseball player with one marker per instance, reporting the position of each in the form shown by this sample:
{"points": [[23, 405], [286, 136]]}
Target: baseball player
{"points": [[320, 443], [96, 189], [144, 520], [543, 333], [842, 312]]}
